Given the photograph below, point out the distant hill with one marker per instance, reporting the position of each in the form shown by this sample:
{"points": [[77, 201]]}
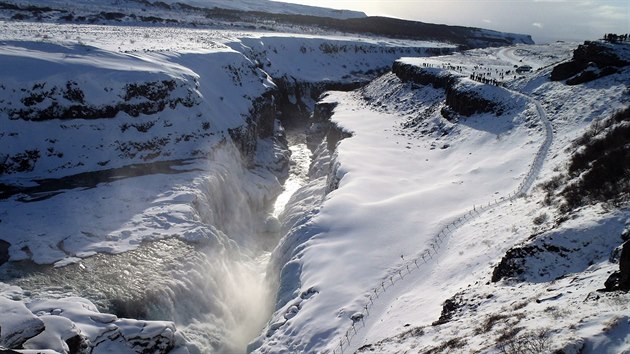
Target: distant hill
{"points": [[252, 15]]}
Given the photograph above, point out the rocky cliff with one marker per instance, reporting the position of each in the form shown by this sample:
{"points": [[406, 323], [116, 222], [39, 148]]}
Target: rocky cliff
{"points": [[460, 99]]}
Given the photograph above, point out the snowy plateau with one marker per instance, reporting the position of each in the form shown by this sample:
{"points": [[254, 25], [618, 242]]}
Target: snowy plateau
{"points": [[252, 177]]}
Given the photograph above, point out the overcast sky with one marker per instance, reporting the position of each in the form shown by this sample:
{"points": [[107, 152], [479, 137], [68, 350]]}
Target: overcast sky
{"points": [[545, 20]]}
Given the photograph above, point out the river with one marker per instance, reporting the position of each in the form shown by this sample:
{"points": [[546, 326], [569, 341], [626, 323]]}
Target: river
{"points": [[216, 292]]}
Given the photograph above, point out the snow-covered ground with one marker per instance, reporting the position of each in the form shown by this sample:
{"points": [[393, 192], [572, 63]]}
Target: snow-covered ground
{"points": [[376, 261], [148, 189]]}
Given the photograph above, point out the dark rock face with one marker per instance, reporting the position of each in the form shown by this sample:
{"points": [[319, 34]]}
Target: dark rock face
{"points": [[245, 139], [259, 124], [264, 111], [137, 98], [20, 162], [468, 103], [449, 308], [458, 100], [291, 101], [332, 132], [513, 264], [620, 280], [421, 76], [4, 251], [591, 61], [455, 306], [295, 99], [77, 344], [323, 111]]}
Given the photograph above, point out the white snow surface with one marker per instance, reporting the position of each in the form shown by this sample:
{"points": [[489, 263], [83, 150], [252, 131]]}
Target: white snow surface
{"points": [[399, 187], [404, 175]]}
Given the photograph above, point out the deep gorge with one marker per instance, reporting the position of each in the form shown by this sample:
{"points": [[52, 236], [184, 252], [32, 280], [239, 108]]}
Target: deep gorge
{"points": [[218, 291]]}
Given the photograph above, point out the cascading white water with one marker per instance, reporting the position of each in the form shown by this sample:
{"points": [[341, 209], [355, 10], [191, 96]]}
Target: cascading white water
{"points": [[248, 297], [298, 175]]}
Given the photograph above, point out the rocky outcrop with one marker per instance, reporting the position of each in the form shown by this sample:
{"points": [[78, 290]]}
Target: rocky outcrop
{"points": [[45, 102], [296, 99], [323, 111], [590, 61], [74, 325], [17, 324], [562, 250], [424, 76], [514, 263], [259, 124], [620, 279], [291, 101], [467, 103], [459, 98], [4, 251], [328, 131]]}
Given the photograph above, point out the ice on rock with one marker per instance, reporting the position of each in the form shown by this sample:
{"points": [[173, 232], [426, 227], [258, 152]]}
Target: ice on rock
{"points": [[60, 335], [17, 324], [105, 333]]}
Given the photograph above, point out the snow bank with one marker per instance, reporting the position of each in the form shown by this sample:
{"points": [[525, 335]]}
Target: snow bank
{"points": [[74, 325], [18, 324], [373, 218], [108, 103], [405, 173]]}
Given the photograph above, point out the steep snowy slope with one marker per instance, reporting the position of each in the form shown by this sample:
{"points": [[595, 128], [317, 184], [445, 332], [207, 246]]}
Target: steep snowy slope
{"points": [[427, 203]]}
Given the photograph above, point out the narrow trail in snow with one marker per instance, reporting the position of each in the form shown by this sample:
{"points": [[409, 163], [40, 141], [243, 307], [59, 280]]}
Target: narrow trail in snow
{"points": [[399, 273]]}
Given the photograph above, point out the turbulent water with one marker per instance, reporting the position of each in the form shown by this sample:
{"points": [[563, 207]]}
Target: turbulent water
{"points": [[298, 170], [215, 291]]}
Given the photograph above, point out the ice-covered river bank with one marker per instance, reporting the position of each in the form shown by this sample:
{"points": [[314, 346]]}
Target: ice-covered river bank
{"points": [[214, 289]]}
